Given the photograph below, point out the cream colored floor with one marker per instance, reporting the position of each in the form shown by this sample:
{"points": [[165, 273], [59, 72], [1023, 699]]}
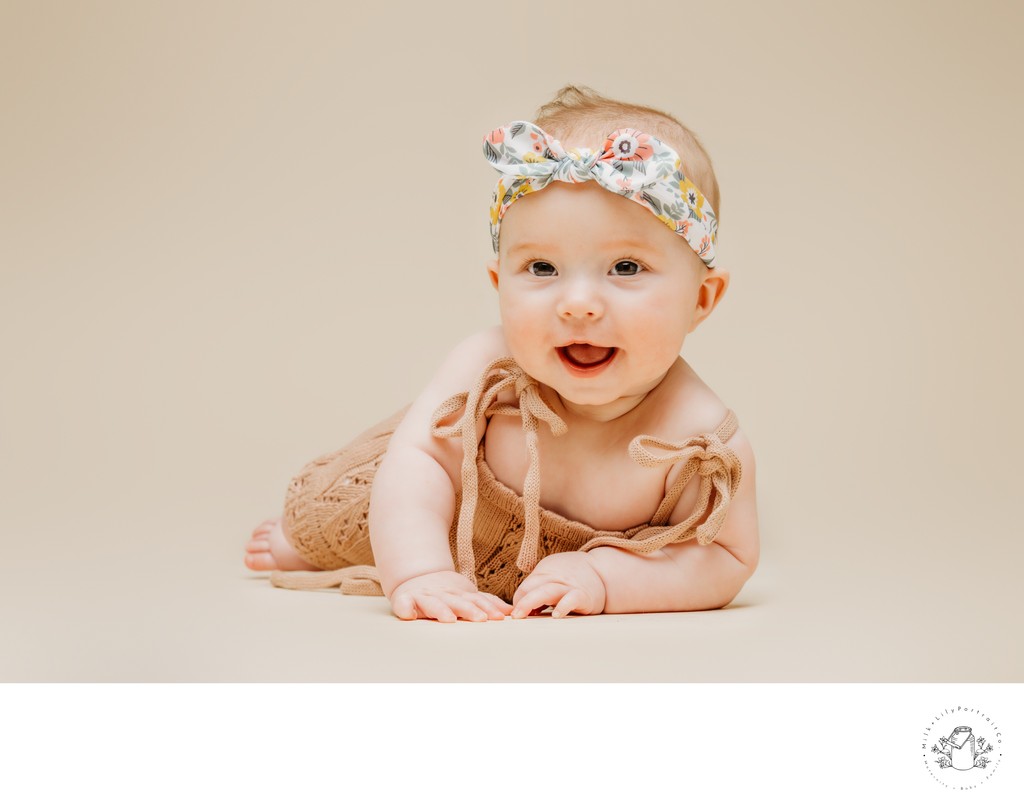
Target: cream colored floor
{"points": [[175, 612]]}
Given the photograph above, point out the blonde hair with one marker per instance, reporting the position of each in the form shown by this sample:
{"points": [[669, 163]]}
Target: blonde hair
{"points": [[580, 116]]}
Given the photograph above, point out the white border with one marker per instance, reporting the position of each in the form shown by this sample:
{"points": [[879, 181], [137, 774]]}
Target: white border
{"points": [[489, 745]]}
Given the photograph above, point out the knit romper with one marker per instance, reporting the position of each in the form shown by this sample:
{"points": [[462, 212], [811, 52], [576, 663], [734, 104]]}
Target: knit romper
{"points": [[497, 536]]}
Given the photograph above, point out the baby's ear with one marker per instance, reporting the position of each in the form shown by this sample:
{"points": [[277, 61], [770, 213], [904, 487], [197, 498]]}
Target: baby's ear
{"points": [[710, 294], [492, 270]]}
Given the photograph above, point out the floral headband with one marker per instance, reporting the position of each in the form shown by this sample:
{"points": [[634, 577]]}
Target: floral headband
{"points": [[635, 165]]}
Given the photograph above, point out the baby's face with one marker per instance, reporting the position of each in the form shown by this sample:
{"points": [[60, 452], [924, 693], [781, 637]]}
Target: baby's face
{"points": [[580, 265]]}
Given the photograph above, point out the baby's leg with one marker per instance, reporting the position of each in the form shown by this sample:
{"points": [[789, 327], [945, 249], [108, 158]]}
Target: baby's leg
{"points": [[325, 523]]}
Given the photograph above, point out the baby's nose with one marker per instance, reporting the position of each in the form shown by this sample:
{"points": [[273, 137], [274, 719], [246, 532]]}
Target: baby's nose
{"points": [[581, 302]]}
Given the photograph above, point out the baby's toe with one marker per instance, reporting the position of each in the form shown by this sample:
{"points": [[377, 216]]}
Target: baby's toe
{"points": [[265, 527], [257, 545], [260, 560]]}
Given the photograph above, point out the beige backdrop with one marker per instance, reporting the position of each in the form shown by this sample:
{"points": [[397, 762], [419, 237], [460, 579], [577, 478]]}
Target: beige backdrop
{"points": [[233, 234]]}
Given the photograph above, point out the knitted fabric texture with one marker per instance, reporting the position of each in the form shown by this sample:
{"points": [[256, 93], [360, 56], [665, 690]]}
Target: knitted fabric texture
{"points": [[326, 507], [500, 375], [497, 536]]}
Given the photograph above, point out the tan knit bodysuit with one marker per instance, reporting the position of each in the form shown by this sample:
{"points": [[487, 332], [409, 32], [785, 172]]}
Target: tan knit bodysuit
{"points": [[497, 536]]}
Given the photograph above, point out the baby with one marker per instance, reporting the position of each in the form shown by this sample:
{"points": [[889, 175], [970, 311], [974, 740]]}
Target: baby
{"points": [[570, 458]]}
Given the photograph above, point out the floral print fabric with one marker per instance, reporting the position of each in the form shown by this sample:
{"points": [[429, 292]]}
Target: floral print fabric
{"points": [[631, 163]]}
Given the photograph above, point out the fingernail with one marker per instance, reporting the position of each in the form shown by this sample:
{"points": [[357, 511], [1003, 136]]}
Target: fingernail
{"points": [[556, 614]]}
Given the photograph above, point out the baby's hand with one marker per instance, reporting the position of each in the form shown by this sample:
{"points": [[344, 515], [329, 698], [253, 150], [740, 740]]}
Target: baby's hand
{"points": [[566, 581], [445, 596]]}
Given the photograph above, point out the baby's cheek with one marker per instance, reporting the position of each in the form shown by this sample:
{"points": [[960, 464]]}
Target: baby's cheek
{"points": [[521, 328], [657, 332], [517, 337]]}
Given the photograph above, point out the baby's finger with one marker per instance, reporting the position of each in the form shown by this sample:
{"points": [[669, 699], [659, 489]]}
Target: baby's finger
{"points": [[541, 596], [481, 601], [404, 607], [433, 607], [486, 602], [526, 586], [464, 605], [574, 599], [503, 606], [526, 593]]}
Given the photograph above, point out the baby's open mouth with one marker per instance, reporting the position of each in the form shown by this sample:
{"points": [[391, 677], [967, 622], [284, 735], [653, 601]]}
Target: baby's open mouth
{"points": [[584, 355]]}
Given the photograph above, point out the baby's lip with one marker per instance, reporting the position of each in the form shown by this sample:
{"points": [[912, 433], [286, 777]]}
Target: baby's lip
{"points": [[582, 343], [589, 357]]}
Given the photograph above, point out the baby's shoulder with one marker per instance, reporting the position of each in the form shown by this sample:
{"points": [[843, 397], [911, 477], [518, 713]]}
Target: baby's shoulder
{"points": [[692, 408], [457, 374], [685, 406], [682, 406], [463, 365]]}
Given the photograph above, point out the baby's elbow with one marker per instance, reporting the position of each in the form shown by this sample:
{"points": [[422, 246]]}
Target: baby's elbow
{"points": [[731, 585], [744, 548], [750, 561]]}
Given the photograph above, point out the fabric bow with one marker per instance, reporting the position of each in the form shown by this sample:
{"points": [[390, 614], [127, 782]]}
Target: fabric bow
{"points": [[720, 471], [705, 455], [631, 163]]}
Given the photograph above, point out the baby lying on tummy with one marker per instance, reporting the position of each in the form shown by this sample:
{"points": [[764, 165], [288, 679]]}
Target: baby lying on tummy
{"points": [[570, 457]]}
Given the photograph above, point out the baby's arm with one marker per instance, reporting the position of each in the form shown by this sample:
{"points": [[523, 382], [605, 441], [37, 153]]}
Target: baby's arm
{"points": [[687, 575], [412, 503], [676, 578]]}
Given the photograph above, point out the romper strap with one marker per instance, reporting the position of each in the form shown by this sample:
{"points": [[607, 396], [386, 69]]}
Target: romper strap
{"points": [[727, 429], [724, 432], [502, 374], [720, 471], [357, 580]]}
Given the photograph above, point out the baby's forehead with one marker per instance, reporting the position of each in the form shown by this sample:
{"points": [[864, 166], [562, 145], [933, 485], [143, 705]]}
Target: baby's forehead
{"points": [[594, 214]]}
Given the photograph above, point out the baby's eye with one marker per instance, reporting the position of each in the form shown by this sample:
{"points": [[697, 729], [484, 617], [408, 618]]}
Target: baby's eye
{"points": [[541, 269], [626, 268]]}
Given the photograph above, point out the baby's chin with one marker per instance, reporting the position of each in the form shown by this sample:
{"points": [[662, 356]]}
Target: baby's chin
{"points": [[594, 406], [590, 398]]}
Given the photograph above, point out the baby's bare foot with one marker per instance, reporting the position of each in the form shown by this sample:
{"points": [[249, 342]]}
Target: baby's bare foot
{"points": [[269, 549]]}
